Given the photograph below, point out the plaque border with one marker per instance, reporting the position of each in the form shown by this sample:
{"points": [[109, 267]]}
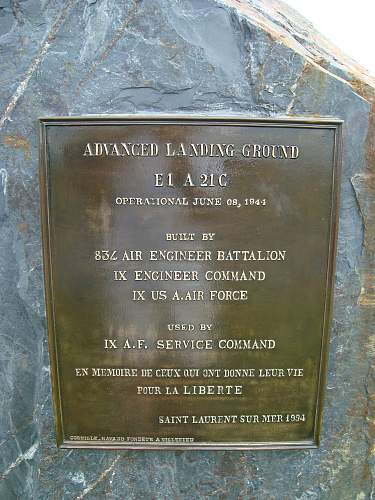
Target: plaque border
{"points": [[332, 123]]}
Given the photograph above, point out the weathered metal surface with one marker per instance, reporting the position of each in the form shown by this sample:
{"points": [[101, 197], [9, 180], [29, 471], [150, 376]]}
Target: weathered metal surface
{"points": [[70, 57], [202, 247]]}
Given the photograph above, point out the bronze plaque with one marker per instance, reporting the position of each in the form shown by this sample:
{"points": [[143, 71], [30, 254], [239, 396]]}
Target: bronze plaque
{"points": [[188, 270]]}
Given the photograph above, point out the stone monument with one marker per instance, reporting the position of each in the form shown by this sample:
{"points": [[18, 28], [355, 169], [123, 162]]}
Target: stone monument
{"points": [[231, 61]]}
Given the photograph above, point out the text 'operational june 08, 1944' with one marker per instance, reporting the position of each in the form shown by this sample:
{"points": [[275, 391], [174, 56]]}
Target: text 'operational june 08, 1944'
{"points": [[188, 270]]}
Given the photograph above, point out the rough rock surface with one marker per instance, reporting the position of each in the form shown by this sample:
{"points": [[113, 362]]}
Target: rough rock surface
{"points": [[66, 57]]}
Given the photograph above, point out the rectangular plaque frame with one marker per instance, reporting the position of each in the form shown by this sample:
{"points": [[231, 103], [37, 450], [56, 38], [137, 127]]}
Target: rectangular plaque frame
{"points": [[332, 124]]}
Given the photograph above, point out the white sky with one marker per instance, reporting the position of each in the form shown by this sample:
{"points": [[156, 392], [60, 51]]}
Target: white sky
{"points": [[349, 25]]}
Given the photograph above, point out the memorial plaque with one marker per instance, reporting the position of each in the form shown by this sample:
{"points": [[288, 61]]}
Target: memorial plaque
{"points": [[188, 270]]}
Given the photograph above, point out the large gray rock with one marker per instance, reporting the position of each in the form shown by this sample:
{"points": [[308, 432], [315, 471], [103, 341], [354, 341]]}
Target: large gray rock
{"points": [[256, 57]]}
